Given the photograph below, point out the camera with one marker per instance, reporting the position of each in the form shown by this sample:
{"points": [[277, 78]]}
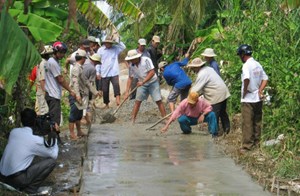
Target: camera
{"points": [[45, 127]]}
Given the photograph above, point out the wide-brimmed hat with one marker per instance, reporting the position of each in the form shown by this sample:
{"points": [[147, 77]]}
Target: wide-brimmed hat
{"points": [[92, 39], [209, 52], [47, 50], [193, 97], [156, 39], [132, 54], [162, 64], [108, 40], [96, 57], [142, 42], [81, 53], [196, 62]]}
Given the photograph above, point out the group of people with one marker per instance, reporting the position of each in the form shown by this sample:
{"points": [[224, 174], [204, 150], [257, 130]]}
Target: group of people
{"points": [[91, 70], [211, 106]]}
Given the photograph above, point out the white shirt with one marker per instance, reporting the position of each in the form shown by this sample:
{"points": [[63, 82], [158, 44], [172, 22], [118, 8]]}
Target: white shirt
{"points": [[109, 60], [141, 71], [21, 148], [253, 71]]}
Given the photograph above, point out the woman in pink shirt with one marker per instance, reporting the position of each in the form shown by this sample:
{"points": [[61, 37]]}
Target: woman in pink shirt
{"points": [[191, 111]]}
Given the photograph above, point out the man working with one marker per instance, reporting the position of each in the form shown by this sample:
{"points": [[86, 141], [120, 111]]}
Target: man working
{"points": [[254, 80], [16, 167], [176, 77], [191, 111], [140, 49], [214, 90], [143, 69]]}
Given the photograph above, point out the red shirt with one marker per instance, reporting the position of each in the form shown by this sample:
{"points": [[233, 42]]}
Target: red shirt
{"points": [[32, 76]]}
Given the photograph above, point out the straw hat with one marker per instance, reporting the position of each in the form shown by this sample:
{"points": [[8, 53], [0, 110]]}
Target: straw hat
{"points": [[142, 42], [193, 97], [95, 57], [132, 54], [108, 40], [162, 64], [156, 39], [197, 62], [209, 52]]}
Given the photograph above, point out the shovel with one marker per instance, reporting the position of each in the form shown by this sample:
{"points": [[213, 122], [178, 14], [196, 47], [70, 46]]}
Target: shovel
{"points": [[157, 122], [110, 118]]}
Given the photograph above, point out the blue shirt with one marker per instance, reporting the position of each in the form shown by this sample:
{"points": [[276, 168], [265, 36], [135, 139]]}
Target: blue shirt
{"points": [[175, 75], [215, 66]]}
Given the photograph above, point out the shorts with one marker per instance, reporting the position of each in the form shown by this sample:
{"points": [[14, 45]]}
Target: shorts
{"points": [[152, 89], [175, 92], [75, 113]]}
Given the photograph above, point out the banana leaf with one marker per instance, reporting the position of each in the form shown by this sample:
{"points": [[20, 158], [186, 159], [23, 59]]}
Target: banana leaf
{"points": [[17, 53], [40, 28]]}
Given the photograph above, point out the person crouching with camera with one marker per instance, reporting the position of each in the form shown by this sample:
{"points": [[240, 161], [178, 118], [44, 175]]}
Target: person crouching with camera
{"points": [[17, 168]]}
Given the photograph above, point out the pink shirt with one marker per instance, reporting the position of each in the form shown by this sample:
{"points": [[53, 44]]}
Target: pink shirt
{"points": [[202, 106]]}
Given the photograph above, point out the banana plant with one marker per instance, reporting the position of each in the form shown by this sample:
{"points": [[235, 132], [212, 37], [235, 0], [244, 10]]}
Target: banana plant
{"points": [[18, 53]]}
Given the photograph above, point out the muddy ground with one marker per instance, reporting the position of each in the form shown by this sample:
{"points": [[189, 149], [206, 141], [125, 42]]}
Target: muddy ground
{"points": [[65, 179]]}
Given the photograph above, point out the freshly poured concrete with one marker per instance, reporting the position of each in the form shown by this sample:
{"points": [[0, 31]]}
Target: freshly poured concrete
{"points": [[125, 159]]}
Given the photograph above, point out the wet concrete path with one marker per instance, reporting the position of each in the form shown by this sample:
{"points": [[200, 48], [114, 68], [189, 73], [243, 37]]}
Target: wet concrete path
{"points": [[123, 159]]}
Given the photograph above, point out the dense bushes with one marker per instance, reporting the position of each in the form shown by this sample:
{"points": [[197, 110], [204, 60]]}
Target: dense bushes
{"points": [[274, 34]]}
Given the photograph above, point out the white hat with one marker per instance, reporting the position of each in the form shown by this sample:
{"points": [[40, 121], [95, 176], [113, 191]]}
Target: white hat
{"points": [[92, 39], [81, 53], [162, 64], [197, 62], [156, 39], [142, 42], [132, 54], [209, 52], [95, 57]]}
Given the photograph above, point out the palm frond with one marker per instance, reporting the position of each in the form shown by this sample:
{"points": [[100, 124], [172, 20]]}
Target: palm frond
{"points": [[127, 8], [95, 16]]}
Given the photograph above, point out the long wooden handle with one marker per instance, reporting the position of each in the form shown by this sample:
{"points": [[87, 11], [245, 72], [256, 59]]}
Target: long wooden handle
{"points": [[124, 100], [157, 122], [192, 44]]}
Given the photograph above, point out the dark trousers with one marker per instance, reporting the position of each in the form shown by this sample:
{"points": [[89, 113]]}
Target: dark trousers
{"points": [[105, 87], [220, 111], [99, 84], [30, 180], [54, 108], [251, 124]]}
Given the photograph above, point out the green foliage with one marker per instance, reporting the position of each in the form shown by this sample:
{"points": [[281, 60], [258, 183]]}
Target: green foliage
{"points": [[288, 168], [21, 58], [274, 35]]}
